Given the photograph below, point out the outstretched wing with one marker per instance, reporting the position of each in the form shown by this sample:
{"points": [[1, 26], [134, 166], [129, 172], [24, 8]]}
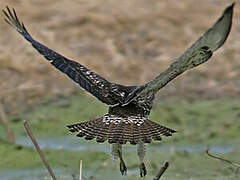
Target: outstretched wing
{"points": [[197, 54], [109, 93]]}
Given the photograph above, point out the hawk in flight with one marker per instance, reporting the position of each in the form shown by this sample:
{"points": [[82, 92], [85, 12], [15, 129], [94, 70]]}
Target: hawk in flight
{"points": [[129, 106]]}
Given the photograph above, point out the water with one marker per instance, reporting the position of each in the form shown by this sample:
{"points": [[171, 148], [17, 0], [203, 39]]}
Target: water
{"points": [[66, 142], [73, 143]]}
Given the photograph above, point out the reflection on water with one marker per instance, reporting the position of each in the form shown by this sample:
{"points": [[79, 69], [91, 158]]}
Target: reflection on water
{"points": [[74, 143]]}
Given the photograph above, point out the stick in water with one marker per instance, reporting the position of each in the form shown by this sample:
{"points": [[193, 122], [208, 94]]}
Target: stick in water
{"points": [[38, 149]]}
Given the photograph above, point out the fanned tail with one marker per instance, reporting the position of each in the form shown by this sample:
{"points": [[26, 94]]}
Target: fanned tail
{"points": [[121, 130]]}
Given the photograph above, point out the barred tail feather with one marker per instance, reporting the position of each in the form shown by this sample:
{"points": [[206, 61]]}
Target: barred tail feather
{"points": [[121, 130]]}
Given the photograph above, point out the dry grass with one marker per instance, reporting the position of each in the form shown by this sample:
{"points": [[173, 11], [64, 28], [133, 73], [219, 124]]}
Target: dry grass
{"points": [[127, 42]]}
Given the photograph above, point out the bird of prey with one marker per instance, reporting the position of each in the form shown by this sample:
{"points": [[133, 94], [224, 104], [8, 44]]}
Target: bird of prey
{"points": [[129, 106]]}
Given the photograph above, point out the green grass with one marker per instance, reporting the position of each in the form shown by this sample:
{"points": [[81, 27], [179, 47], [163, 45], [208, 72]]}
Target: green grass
{"points": [[213, 120], [200, 121], [51, 118], [203, 122]]}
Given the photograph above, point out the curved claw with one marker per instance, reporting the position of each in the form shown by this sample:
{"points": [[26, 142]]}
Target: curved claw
{"points": [[143, 170]]}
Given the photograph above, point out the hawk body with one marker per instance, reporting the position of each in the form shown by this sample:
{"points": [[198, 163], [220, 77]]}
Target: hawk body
{"points": [[124, 123], [129, 106]]}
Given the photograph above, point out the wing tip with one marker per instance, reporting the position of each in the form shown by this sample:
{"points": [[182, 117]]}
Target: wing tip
{"points": [[232, 5], [228, 14], [10, 16], [229, 9]]}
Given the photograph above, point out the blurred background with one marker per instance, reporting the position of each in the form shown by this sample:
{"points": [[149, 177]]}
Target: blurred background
{"points": [[127, 42]]}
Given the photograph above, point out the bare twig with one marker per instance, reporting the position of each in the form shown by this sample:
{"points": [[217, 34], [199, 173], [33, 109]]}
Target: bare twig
{"points": [[161, 171], [222, 159], [4, 118], [38, 149], [80, 170]]}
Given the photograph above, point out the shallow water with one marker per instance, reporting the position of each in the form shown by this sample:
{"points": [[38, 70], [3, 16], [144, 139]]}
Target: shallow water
{"points": [[76, 144]]}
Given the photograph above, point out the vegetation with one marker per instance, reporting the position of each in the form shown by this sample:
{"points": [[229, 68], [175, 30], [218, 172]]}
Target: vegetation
{"points": [[200, 124]]}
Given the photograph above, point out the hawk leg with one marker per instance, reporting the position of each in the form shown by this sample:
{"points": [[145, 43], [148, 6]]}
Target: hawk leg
{"points": [[141, 150], [123, 168]]}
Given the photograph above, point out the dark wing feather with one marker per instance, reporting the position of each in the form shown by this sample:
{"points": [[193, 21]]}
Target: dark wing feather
{"points": [[109, 93], [197, 54]]}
